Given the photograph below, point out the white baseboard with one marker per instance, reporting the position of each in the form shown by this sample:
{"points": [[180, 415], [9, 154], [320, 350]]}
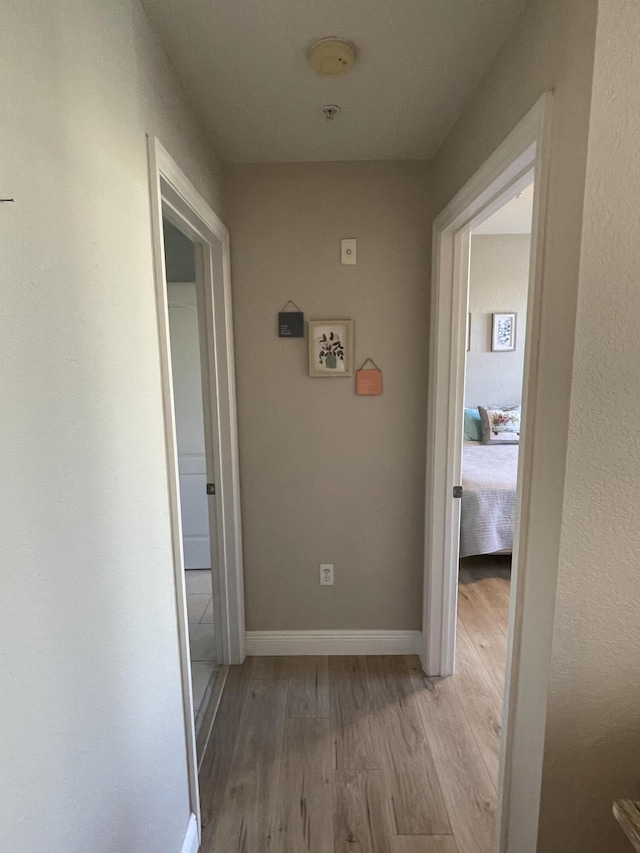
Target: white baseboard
{"points": [[334, 643], [191, 841]]}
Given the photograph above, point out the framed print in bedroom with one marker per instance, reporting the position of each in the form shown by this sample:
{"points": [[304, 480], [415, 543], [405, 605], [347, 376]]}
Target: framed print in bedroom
{"points": [[330, 347], [503, 338]]}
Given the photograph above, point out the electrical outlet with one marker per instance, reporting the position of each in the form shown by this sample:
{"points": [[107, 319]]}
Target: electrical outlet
{"points": [[326, 574]]}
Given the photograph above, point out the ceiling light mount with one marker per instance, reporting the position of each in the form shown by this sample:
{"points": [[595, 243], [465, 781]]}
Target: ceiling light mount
{"points": [[331, 111], [332, 56]]}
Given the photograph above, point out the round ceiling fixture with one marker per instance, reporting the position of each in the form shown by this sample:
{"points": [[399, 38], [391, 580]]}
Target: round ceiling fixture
{"points": [[332, 56]]}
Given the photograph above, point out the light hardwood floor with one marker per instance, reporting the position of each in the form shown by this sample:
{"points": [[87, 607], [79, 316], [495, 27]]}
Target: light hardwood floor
{"points": [[365, 754]]}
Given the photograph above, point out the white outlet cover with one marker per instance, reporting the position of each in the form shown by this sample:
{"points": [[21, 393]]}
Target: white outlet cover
{"points": [[348, 252], [326, 574]]}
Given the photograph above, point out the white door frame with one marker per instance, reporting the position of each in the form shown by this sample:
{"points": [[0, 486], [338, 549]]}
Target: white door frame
{"points": [[510, 167], [173, 195]]}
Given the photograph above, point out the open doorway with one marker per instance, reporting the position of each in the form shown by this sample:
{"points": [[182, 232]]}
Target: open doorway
{"points": [[500, 250], [521, 160], [174, 199], [192, 401]]}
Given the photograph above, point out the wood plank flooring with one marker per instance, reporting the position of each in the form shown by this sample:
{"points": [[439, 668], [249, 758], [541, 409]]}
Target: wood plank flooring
{"points": [[364, 754]]}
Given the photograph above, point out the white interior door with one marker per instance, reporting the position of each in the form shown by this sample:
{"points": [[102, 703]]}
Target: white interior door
{"points": [[200, 551]]}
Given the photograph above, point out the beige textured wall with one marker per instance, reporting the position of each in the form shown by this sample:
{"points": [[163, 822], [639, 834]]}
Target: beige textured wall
{"points": [[593, 725], [551, 48], [91, 720], [498, 282], [328, 476]]}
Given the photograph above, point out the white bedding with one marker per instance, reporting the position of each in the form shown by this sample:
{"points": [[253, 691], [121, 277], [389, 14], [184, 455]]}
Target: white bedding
{"points": [[489, 475]]}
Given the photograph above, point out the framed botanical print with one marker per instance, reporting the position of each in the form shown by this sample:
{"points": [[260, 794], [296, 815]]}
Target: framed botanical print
{"points": [[503, 337], [330, 348]]}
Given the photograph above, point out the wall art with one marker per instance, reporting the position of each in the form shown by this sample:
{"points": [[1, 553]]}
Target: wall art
{"points": [[503, 338], [330, 348], [291, 323]]}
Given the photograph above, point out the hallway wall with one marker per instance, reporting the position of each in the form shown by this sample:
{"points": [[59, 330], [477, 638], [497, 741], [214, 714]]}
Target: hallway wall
{"points": [[91, 724], [551, 49], [592, 751], [328, 476]]}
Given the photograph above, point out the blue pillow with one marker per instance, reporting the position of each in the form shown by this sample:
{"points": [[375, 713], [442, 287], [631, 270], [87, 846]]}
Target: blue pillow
{"points": [[472, 425]]}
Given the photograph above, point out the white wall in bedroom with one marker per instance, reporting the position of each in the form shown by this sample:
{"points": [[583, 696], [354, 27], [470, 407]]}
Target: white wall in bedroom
{"points": [[498, 283]]}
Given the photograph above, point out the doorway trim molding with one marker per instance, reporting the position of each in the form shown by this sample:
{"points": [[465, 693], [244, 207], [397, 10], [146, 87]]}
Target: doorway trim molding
{"points": [[173, 195], [525, 151]]}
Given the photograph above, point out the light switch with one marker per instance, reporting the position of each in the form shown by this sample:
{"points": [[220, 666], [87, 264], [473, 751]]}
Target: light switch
{"points": [[348, 252]]}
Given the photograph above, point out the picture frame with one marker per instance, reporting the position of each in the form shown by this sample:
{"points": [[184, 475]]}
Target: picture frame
{"points": [[503, 334], [331, 348]]}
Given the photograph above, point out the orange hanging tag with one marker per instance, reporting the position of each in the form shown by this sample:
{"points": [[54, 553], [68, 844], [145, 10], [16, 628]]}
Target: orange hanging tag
{"points": [[369, 382]]}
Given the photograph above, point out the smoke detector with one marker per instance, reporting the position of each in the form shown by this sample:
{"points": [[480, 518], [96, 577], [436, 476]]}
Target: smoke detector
{"points": [[332, 56]]}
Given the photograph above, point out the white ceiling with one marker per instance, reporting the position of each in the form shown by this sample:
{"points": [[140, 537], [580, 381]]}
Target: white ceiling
{"points": [[243, 64], [513, 218]]}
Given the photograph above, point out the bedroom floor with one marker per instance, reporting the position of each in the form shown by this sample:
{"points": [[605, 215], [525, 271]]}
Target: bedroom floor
{"points": [[483, 612], [337, 754]]}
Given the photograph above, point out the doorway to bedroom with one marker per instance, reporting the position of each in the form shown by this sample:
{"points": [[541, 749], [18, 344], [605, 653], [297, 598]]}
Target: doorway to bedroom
{"points": [[499, 252], [503, 727]]}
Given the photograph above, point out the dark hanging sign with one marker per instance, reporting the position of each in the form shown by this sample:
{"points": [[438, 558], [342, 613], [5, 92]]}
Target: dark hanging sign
{"points": [[291, 323]]}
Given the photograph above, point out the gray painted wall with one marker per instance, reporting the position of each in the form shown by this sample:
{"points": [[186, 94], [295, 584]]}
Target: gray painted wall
{"points": [[327, 476], [498, 282]]}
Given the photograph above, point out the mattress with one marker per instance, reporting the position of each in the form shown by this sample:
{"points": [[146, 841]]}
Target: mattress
{"points": [[488, 507]]}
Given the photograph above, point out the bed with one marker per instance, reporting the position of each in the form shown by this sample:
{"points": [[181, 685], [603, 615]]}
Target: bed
{"points": [[487, 512]]}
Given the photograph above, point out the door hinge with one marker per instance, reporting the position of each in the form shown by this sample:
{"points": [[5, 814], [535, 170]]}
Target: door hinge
{"points": [[211, 488], [457, 491]]}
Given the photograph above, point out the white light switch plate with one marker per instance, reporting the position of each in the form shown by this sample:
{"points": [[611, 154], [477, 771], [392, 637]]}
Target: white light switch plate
{"points": [[348, 252]]}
